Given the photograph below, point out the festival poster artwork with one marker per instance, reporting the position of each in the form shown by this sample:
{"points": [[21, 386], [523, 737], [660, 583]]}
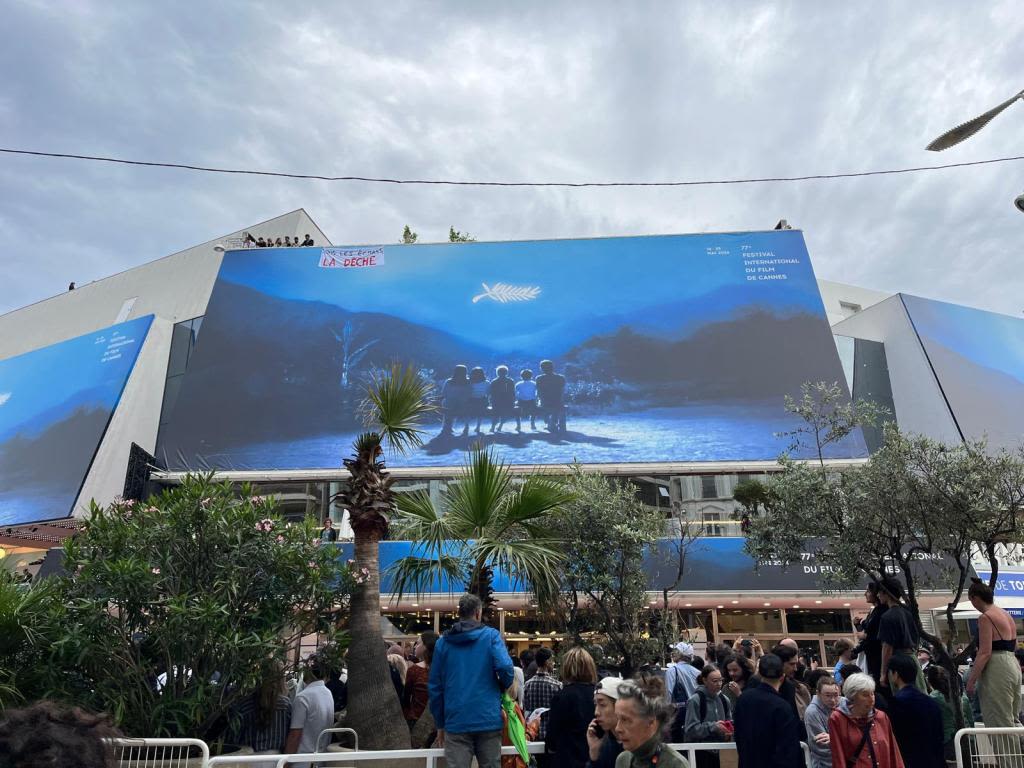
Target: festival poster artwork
{"points": [[55, 404], [615, 350]]}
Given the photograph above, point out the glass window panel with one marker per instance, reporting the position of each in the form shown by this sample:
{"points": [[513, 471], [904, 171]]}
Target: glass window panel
{"points": [[749, 622], [819, 622], [181, 341], [172, 388], [708, 487]]}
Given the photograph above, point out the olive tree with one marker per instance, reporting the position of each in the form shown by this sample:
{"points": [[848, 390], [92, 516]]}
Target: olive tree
{"points": [[917, 508]]}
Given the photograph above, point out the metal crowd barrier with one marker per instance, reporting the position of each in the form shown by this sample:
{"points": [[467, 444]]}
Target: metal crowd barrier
{"points": [[326, 731], [689, 750], [989, 748], [429, 757], [161, 753], [175, 753]]}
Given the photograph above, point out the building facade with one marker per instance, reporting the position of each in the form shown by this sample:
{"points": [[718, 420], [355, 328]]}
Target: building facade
{"points": [[219, 293]]}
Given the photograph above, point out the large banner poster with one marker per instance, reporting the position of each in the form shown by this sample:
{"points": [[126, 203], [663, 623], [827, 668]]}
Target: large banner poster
{"points": [[978, 360], [55, 404], [616, 350]]}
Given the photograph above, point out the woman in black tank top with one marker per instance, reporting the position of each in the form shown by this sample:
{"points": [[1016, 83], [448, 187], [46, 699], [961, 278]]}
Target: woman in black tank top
{"points": [[996, 673]]}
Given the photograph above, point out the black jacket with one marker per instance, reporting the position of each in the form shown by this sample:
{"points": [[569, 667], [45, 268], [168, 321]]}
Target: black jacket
{"points": [[788, 694], [767, 731], [572, 709], [871, 646], [611, 748], [917, 725]]}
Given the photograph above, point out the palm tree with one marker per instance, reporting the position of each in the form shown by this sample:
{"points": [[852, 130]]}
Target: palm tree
{"points": [[397, 401], [489, 522]]}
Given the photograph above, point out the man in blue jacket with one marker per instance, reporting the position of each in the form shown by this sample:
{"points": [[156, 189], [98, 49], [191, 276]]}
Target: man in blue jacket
{"points": [[470, 669]]}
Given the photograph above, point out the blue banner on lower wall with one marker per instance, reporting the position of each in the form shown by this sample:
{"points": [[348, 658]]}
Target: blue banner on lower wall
{"points": [[713, 564], [55, 405]]}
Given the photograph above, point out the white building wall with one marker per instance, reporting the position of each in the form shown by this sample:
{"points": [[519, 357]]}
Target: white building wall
{"points": [[841, 299], [920, 405], [174, 288], [135, 420]]}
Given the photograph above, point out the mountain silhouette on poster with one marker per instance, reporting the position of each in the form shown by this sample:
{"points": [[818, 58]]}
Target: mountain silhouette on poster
{"points": [[294, 389]]}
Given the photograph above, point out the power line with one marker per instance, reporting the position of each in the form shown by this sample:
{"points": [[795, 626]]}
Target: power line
{"points": [[451, 183]]}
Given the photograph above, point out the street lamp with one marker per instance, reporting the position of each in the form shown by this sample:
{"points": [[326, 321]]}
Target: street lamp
{"points": [[966, 130]]}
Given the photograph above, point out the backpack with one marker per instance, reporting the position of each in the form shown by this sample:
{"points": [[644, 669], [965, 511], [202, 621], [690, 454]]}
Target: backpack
{"points": [[679, 694], [677, 730], [704, 705]]}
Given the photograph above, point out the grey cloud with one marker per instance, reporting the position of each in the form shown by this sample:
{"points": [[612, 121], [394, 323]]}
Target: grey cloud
{"points": [[525, 91]]}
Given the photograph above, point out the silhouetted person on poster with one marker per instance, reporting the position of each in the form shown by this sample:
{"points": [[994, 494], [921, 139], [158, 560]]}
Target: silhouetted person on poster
{"points": [[503, 398], [479, 387], [551, 392], [455, 394], [526, 399]]}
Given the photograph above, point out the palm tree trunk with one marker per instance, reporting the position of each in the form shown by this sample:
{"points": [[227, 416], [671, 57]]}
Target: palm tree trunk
{"points": [[481, 584], [374, 710]]}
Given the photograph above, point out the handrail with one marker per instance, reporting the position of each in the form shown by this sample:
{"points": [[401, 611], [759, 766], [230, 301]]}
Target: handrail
{"points": [[320, 738], [430, 756]]}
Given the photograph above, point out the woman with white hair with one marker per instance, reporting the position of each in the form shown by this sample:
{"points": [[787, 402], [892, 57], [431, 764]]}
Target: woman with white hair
{"points": [[859, 735], [642, 710]]}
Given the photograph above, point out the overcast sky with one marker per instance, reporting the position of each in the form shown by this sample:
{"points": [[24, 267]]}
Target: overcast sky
{"points": [[516, 91]]}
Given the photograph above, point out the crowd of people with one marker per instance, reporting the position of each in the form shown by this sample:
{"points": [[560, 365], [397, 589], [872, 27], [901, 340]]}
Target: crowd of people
{"points": [[883, 705], [248, 241]]}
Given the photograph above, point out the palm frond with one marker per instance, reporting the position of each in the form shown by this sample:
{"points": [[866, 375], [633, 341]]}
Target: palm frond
{"points": [[474, 500], [397, 402], [422, 575], [530, 562], [417, 519], [530, 504]]}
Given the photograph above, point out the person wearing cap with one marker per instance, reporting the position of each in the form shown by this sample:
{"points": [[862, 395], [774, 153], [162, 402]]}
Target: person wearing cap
{"points": [[681, 676], [602, 744], [767, 732], [898, 632]]}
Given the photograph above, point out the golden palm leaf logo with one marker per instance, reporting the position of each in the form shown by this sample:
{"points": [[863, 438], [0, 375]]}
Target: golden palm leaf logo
{"points": [[504, 293]]}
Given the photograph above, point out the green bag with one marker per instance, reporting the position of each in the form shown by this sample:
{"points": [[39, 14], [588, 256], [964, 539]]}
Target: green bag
{"points": [[516, 729]]}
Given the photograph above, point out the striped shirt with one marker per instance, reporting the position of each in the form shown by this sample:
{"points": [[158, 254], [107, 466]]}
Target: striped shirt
{"points": [[246, 730]]}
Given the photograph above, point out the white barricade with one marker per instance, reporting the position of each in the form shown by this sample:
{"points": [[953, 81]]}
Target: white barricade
{"points": [[160, 753], [193, 753], [689, 750], [428, 756], [989, 748], [321, 747]]}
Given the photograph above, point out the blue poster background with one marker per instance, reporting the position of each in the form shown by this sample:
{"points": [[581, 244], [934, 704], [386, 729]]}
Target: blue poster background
{"points": [[663, 348], [55, 404]]}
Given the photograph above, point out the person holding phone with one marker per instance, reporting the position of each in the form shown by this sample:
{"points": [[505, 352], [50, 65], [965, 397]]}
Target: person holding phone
{"points": [[603, 746], [708, 715]]}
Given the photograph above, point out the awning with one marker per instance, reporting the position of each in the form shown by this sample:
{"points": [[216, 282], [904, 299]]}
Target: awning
{"points": [[1012, 605]]}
